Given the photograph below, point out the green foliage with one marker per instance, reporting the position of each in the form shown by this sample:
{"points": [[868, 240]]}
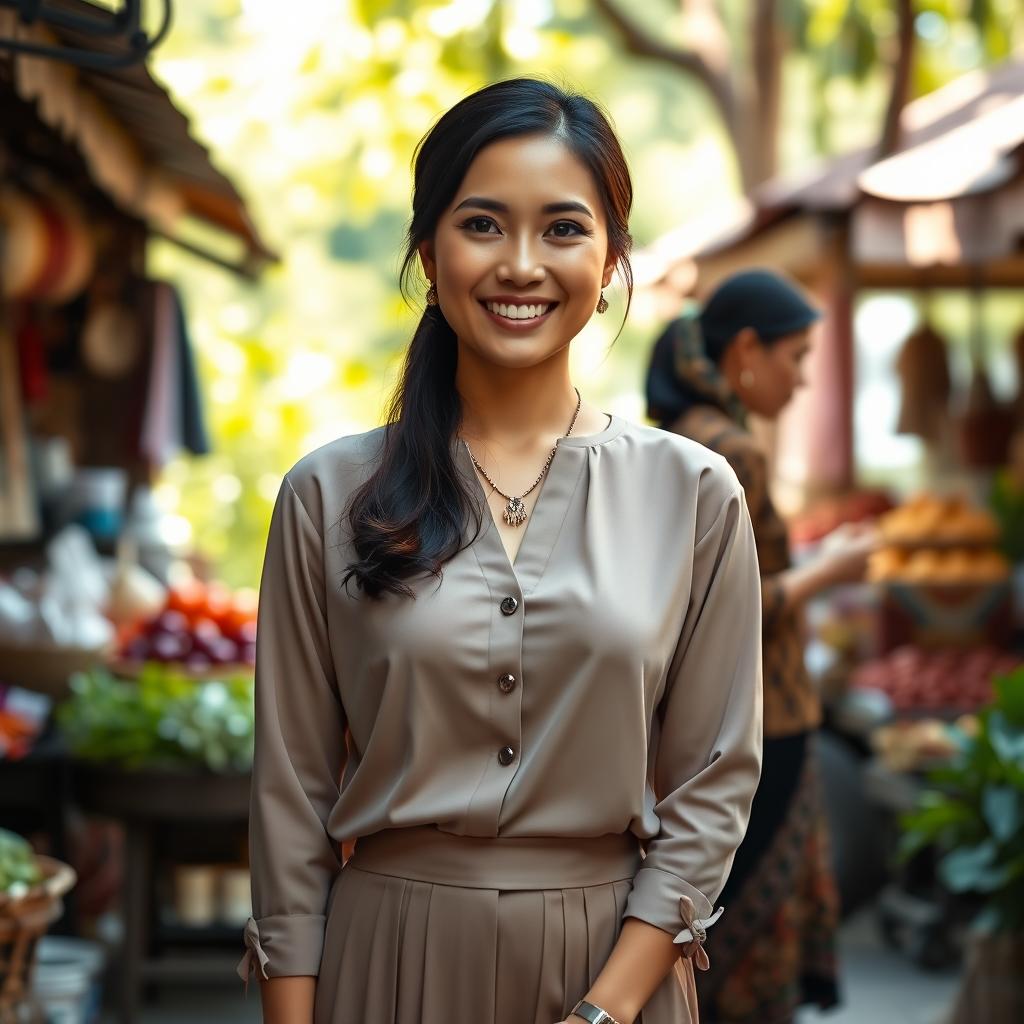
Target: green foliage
{"points": [[973, 811], [1007, 502], [162, 719], [19, 869]]}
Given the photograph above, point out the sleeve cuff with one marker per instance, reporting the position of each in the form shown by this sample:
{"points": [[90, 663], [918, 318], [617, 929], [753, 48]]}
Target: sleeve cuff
{"points": [[667, 902], [283, 946]]}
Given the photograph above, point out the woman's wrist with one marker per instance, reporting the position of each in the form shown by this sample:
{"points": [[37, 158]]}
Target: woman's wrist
{"points": [[613, 1004]]}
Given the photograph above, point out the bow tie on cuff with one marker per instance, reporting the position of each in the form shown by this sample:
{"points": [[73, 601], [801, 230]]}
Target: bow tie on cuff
{"points": [[253, 952], [692, 937]]}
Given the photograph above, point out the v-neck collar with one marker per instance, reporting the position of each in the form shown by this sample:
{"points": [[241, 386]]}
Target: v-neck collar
{"points": [[546, 519]]}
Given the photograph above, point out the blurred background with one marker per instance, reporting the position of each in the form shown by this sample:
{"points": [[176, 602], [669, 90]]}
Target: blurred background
{"points": [[200, 221]]}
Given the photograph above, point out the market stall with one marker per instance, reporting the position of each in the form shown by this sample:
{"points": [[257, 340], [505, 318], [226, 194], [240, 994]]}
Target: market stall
{"points": [[125, 693]]}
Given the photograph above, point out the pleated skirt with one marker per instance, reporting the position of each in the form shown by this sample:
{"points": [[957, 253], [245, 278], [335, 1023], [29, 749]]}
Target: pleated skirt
{"points": [[428, 928]]}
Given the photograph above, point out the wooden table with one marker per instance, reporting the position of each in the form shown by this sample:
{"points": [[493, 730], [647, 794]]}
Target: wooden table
{"points": [[154, 806]]}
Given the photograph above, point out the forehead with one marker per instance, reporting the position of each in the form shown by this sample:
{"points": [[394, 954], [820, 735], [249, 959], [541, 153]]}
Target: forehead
{"points": [[530, 171]]}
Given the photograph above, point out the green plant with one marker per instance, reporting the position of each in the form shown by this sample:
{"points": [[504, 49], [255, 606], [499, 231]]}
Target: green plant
{"points": [[163, 718], [973, 812], [19, 870]]}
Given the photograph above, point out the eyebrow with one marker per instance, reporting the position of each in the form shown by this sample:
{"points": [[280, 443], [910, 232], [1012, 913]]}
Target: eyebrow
{"points": [[481, 203]]}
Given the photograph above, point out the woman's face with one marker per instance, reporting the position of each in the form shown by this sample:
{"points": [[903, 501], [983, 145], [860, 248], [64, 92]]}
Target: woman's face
{"points": [[520, 256], [778, 370]]}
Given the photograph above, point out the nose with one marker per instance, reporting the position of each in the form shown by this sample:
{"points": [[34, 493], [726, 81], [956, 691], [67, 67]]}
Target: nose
{"points": [[520, 264]]}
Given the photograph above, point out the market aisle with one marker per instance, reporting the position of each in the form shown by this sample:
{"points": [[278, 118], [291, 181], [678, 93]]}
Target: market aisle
{"points": [[883, 987]]}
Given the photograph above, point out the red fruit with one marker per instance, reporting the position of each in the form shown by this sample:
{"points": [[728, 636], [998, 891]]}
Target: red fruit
{"points": [[187, 598]]}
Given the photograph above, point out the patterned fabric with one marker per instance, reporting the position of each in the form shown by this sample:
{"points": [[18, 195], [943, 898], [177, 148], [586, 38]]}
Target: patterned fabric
{"points": [[775, 948], [791, 704]]}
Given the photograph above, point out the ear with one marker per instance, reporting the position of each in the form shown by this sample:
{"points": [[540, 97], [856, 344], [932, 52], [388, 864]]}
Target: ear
{"points": [[609, 270], [426, 251], [746, 342]]}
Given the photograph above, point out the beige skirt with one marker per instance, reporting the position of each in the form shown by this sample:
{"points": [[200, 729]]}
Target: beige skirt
{"points": [[429, 928]]}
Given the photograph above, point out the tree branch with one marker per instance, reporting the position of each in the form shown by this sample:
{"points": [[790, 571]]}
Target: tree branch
{"points": [[642, 44]]}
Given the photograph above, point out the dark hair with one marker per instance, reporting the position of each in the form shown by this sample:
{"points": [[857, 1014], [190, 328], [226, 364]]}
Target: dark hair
{"points": [[410, 517], [678, 376]]}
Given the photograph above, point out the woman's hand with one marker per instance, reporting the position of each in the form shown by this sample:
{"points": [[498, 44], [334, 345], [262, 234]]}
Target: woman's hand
{"points": [[845, 551]]}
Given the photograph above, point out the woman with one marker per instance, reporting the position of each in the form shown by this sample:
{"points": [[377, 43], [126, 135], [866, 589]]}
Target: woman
{"points": [[538, 670], [744, 352]]}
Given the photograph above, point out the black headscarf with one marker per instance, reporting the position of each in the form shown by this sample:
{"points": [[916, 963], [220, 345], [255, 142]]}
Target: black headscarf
{"points": [[684, 366]]}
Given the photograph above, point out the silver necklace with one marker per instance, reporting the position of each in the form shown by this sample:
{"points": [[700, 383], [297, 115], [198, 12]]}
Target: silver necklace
{"points": [[515, 510]]}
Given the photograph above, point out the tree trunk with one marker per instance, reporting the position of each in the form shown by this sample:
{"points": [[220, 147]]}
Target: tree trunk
{"points": [[899, 89]]}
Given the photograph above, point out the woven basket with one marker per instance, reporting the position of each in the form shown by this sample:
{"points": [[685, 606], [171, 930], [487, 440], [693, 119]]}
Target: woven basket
{"points": [[23, 922]]}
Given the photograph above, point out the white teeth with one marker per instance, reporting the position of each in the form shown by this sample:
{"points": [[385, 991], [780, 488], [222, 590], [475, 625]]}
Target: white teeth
{"points": [[518, 312]]}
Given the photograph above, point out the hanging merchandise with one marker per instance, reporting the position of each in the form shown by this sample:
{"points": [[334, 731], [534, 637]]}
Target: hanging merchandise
{"points": [[985, 425], [48, 253], [173, 417], [923, 368]]}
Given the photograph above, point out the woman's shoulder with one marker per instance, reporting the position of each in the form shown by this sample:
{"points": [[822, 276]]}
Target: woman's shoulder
{"points": [[325, 479], [681, 461]]}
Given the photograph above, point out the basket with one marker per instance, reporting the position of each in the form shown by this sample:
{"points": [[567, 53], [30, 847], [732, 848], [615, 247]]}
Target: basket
{"points": [[23, 922]]}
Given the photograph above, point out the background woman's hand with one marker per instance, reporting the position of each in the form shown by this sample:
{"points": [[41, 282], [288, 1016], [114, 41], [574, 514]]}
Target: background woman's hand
{"points": [[845, 551]]}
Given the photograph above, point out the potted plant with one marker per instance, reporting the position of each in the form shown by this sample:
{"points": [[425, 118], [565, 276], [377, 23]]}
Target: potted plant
{"points": [[972, 814]]}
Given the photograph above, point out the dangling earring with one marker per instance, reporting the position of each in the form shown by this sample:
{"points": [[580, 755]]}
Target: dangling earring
{"points": [[747, 379], [432, 294], [602, 304]]}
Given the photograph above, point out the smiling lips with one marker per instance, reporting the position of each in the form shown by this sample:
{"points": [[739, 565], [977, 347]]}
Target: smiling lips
{"points": [[519, 314]]}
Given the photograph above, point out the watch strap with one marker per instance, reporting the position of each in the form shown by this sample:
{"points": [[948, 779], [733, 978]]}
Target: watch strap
{"points": [[592, 1014]]}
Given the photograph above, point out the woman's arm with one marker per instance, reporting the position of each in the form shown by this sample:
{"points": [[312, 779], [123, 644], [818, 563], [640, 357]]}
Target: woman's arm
{"points": [[288, 1000], [297, 767], [708, 759], [637, 966]]}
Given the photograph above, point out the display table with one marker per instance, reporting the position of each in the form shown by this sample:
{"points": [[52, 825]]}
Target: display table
{"points": [[155, 808], [34, 797]]}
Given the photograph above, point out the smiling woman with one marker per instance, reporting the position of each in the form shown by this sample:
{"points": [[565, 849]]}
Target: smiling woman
{"points": [[486, 656]]}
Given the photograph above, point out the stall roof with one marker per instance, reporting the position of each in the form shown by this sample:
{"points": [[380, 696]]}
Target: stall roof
{"points": [[168, 173], [961, 140]]}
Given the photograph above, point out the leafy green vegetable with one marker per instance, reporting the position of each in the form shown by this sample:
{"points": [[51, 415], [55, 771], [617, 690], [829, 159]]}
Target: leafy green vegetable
{"points": [[973, 812], [19, 870], [164, 718]]}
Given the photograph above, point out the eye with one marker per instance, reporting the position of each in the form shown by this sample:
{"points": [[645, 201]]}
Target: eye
{"points": [[480, 226], [568, 229]]}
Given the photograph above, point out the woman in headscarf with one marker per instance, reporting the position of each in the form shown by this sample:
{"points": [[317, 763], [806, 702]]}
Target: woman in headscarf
{"points": [[741, 353]]}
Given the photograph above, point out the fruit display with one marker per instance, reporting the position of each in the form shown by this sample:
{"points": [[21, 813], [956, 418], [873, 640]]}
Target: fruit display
{"points": [[916, 678], [202, 628], [914, 745], [938, 566], [828, 514], [933, 521], [19, 869]]}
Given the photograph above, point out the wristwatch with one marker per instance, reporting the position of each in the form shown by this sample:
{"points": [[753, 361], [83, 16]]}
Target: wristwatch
{"points": [[592, 1014]]}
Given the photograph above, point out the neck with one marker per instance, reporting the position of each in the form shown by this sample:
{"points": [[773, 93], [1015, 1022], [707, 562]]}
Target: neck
{"points": [[515, 406]]}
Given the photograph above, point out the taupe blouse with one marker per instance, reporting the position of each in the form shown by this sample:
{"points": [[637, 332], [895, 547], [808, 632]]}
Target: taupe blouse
{"points": [[608, 681]]}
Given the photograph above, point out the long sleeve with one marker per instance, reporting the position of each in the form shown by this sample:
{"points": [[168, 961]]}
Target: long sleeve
{"points": [[300, 751], [708, 754]]}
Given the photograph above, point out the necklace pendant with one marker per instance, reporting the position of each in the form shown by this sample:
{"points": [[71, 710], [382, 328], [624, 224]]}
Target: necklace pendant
{"points": [[515, 512]]}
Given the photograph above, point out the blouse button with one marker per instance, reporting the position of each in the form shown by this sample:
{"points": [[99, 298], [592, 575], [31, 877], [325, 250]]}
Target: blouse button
{"points": [[506, 755], [509, 606], [507, 682]]}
